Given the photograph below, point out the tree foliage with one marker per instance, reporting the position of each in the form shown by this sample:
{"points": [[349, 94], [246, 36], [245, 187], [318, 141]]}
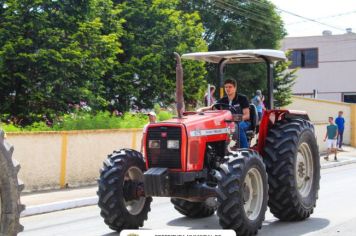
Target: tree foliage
{"points": [[239, 24], [54, 53], [116, 54], [146, 75], [283, 83]]}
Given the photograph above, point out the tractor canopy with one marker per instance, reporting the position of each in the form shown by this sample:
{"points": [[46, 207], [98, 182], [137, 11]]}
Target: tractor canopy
{"points": [[222, 58], [238, 56]]}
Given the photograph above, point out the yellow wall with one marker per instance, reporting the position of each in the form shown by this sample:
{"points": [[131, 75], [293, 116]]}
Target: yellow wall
{"points": [[319, 111], [353, 125], [56, 159], [39, 156]]}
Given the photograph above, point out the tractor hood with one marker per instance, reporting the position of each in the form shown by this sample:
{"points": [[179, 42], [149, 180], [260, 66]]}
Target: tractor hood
{"points": [[203, 123], [194, 130]]}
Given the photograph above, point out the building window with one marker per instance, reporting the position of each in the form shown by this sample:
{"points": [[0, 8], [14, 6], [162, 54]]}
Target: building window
{"points": [[349, 97], [304, 58]]}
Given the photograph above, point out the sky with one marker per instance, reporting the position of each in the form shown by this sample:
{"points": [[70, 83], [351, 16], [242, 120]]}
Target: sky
{"points": [[338, 15]]}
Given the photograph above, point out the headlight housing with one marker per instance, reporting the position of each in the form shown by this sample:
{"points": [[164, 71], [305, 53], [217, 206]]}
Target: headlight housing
{"points": [[173, 144], [154, 143]]}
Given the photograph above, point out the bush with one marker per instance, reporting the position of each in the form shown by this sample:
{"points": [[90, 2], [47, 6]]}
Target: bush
{"points": [[10, 127], [86, 121], [38, 126], [102, 120], [164, 115]]}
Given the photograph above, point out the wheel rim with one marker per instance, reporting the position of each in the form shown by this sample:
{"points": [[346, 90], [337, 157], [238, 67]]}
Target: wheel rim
{"points": [[304, 170], [253, 193], [134, 207]]}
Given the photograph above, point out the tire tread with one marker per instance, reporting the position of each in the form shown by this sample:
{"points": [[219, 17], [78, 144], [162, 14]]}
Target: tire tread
{"points": [[280, 151]]}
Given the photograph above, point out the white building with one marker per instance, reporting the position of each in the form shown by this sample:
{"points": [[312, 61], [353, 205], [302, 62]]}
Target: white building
{"points": [[327, 65]]}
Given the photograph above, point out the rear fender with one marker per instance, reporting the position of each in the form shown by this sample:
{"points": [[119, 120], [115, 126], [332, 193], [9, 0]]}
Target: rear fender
{"points": [[270, 117]]}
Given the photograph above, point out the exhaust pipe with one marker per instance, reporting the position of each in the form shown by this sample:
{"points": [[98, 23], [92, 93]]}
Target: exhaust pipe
{"points": [[179, 86]]}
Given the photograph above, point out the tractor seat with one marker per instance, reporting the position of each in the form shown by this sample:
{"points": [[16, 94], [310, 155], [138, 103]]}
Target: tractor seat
{"points": [[250, 133]]}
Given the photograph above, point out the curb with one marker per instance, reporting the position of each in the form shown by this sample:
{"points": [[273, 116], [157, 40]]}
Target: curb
{"points": [[59, 206], [90, 201], [338, 163]]}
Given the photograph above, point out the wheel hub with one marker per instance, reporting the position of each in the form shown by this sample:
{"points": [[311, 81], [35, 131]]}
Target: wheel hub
{"points": [[304, 170], [134, 203], [253, 193], [301, 170]]}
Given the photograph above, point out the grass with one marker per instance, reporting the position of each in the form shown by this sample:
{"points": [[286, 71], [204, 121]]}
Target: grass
{"points": [[87, 121]]}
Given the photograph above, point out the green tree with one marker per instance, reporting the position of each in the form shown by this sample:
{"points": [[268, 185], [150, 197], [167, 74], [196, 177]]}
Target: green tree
{"points": [[154, 29], [239, 24], [283, 83], [55, 52]]}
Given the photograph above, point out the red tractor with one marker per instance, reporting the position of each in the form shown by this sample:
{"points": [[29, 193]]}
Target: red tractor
{"points": [[189, 160]]}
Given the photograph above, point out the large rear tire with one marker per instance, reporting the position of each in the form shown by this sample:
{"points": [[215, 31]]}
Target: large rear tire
{"points": [[242, 192], [10, 190], [119, 179], [293, 166], [194, 209]]}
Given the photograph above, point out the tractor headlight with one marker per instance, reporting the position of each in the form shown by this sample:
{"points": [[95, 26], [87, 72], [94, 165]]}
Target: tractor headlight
{"points": [[154, 144], [173, 144]]}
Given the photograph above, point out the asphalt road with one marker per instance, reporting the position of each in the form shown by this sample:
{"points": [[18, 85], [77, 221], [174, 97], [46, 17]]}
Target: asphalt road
{"points": [[335, 214]]}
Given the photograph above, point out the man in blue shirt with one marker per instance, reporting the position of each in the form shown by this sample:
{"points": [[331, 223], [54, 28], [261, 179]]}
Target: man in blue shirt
{"points": [[340, 122]]}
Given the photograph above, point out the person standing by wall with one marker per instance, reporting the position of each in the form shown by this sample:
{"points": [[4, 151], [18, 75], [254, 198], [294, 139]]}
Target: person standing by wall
{"points": [[331, 138], [257, 101], [152, 117], [340, 122], [209, 97]]}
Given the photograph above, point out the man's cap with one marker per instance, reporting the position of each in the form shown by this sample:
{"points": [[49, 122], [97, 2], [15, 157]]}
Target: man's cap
{"points": [[258, 92], [151, 113]]}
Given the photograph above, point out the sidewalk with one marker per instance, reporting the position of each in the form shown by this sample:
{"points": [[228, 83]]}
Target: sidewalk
{"points": [[57, 200], [344, 157]]}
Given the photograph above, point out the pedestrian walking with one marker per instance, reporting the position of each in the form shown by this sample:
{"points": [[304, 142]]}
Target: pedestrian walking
{"points": [[331, 138], [340, 122]]}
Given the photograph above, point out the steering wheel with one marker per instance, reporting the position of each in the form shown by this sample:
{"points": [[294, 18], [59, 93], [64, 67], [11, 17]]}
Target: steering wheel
{"points": [[224, 106]]}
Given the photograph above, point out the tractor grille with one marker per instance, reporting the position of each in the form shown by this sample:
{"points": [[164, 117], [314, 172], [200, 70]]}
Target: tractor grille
{"points": [[162, 156]]}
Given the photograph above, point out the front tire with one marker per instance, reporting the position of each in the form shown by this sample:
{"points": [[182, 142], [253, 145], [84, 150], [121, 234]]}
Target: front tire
{"points": [[119, 179], [293, 167], [242, 192], [10, 189]]}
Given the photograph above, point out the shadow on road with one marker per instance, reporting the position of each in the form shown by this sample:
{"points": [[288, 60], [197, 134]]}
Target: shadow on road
{"points": [[211, 222], [293, 228], [270, 227], [273, 227]]}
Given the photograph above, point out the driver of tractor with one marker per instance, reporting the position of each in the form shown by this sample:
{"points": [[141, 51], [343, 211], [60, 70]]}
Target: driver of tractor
{"points": [[239, 105]]}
